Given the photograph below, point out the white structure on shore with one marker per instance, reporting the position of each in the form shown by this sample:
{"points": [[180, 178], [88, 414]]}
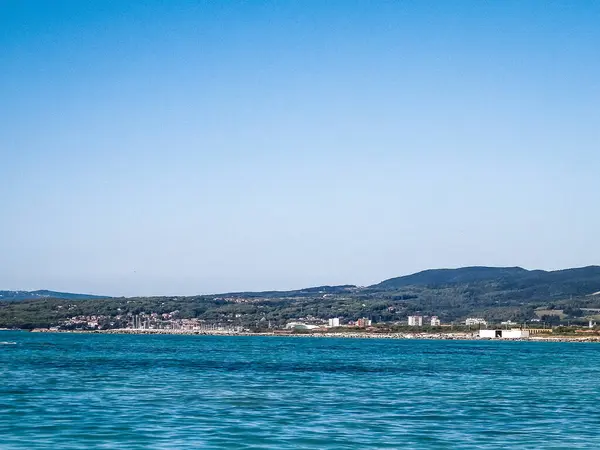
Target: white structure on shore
{"points": [[475, 321], [300, 326], [335, 322], [513, 333], [435, 321], [415, 321]]}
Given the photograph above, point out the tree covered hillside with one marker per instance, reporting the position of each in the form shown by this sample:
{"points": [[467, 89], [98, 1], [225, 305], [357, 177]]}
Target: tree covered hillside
{"points": [[452, 294]]}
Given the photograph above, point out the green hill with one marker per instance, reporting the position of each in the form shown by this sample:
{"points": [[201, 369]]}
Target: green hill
{"points": [[494, 293], [522, 283], [438, 277], [16, 296]]}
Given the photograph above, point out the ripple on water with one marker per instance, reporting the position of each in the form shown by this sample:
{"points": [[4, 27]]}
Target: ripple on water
{"points": [[164, 392]]}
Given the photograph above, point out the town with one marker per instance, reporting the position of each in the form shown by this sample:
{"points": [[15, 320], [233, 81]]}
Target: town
{"points": [[310, 325]]}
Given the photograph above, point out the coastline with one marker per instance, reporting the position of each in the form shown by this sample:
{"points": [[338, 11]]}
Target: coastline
{"points": [[342, 335]]}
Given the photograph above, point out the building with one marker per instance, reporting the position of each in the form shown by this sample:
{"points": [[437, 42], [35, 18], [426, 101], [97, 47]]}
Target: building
{"points": [[363, 322], [415, 321], [513, 333], [300, 326], [435, 321], [475, 321], [335, 322]]}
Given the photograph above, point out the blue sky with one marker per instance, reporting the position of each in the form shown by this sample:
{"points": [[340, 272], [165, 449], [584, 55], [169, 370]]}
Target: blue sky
{"points": [[199, 146]]}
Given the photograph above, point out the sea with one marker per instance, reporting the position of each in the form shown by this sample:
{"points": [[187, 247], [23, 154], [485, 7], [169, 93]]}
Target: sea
{"points": [[99, 391]]}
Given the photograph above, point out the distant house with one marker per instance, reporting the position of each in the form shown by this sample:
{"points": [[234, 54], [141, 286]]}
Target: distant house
{"points": [[475, 321], [435, 321], [363, 322], [415, 321], [335, 322]]}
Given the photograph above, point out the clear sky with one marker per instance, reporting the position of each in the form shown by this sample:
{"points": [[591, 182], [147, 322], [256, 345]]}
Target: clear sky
{"points": [[184, 147]]}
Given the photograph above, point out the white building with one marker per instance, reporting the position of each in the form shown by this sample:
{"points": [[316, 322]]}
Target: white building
{"points": [[300, 326], [475, 321], [435, 321], [335, 322], [513, 333], [415, 321]]}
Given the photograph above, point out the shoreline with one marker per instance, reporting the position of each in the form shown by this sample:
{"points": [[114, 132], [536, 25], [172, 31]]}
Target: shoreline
{"points": [[340, 335]]}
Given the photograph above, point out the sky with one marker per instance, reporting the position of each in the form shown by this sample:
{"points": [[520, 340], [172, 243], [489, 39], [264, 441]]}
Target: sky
{"points": [[188, 147]]}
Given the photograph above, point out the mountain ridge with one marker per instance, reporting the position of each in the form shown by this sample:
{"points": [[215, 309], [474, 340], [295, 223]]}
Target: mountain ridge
{"points": [[449, 276], [429, 277], [8, 295], [573, 281], [494, 293]]}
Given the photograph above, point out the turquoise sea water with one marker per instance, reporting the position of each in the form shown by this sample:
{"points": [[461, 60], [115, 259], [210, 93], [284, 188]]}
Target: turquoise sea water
{"points": [[68, 391]]}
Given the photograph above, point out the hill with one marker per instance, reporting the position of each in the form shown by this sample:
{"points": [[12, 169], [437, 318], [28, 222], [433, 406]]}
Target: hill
{"points": [[322, 290], [494, 293], [15, 296], [437, 277], [522, 283]]}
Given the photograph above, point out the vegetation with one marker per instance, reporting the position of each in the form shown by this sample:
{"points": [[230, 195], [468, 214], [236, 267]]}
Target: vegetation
{"points": [[15, 296], [560, 297]]}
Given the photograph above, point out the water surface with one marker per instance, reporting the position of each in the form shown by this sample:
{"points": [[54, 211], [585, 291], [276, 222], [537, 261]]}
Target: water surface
{"points": [[74, 391]]}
